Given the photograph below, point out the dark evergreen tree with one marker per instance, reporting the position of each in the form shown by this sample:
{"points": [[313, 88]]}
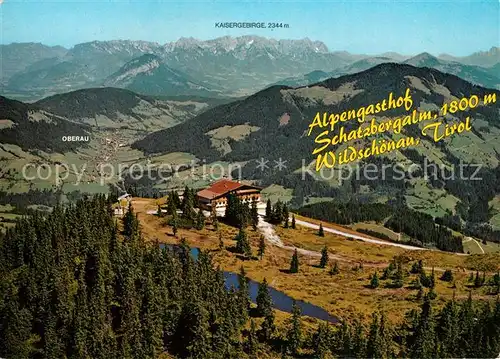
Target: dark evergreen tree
{"points": [[221, 242], [322, 341], [242, 244], [447, 276], [255, 215], [172, 204], [294, 264], [268, 327], [321, 231], [477, 280], [449, 330], [398, 280], [324, 257], [375, 346], [262, 247], [237, 212], [214, 219], [277, 215], [335, 269], [374, 282], [359, 340], [293, 221], [251, 343], [432, 279], [188, 204], [294, 335], [175, 224], [417, 267], [422, 341], [263, 300], [130, 223], [269, 210], [286, 216], [200, 220], [243, 294]]}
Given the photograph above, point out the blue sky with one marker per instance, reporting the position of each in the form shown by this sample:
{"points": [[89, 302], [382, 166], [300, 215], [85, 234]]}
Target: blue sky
{"points": [[408, 27]]}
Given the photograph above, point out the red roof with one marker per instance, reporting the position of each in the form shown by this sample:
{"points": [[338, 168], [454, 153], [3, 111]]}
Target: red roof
{"points": [[219, 188]]}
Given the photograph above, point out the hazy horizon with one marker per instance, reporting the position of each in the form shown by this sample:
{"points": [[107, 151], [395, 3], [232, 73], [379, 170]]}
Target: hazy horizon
{"points": [[254, 35], [358, 27]]}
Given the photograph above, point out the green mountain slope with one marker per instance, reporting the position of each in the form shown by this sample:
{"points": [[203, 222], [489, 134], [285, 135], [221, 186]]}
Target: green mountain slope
{"points": [[148, 74], [275, 123], [29, 127], [118, 108]]}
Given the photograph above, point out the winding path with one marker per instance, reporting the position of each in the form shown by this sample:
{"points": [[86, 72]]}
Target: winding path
{"points": [[355, 236], [468, 239]]}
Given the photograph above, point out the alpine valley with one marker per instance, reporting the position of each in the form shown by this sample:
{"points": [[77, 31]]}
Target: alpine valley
{"points": [[160, 201], [234, 101]]}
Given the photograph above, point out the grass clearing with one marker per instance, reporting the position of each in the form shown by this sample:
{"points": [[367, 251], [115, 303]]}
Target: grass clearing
{"points": [[275, 192], [343, 295], [377, 228]]}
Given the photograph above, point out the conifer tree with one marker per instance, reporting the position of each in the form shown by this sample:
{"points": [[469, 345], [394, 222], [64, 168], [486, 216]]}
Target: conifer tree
{"points": [[398, 281], [200, 220], [221, 242], [374, 346], [321, 231], [324, 257], [263, 300], [294, 264], [277, 215], [175, 224], [447, 276], [214, 219], [294, 335], [422, 343], [335, 269], [244, 291], [130, 223], [420, 293], [432, 279], [172, 203], [496, 283], [152, 319], [268, 327], [293, 221], [321, 341], [477, 280], [359, 340], [262, 247], [471, 277], [254, 214], [374, 282], [252, 344], [417, 267], [432, 294], [269, 210], [242, 244], [343, 340], [285, 216], [187, 204], [449, 330], [385, 335]]}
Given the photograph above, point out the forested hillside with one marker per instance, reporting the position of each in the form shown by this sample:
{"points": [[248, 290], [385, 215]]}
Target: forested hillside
{"points": [[419, 226], [69, 291], [26, 126]]}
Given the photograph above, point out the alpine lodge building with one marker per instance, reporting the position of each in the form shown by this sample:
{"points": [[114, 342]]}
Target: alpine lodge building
{"points": [[215, 196]]}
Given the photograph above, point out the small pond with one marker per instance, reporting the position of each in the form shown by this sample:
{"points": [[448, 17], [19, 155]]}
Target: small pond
{"points": [[281, 301]]}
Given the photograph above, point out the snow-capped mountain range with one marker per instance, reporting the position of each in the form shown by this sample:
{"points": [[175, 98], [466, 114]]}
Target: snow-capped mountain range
{"points": [[226, 65]]}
